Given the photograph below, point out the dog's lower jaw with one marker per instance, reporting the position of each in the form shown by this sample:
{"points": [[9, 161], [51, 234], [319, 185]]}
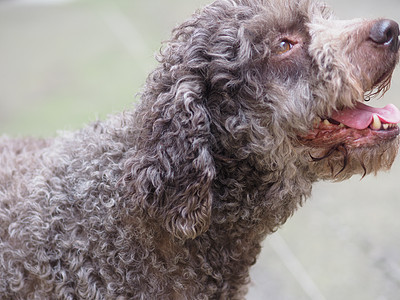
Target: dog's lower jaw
{"points": [[331, 135], [366, 142], [340, 162]]}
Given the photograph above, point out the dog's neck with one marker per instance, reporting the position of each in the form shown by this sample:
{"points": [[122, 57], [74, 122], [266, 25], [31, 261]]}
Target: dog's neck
{"points": [[254, 197]]}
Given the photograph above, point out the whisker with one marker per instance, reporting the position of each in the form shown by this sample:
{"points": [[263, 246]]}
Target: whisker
{"points": [[340, 148]]}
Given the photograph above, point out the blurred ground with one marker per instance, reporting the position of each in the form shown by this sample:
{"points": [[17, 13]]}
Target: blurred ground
{"points": [[65, 63]]}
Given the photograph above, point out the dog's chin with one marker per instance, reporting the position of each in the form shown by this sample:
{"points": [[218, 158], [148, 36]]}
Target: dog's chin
{"points": [[340, 163], [338, 152]]}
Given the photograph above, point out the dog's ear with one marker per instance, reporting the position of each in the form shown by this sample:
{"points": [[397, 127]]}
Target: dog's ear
{"points": [[171, 172]]}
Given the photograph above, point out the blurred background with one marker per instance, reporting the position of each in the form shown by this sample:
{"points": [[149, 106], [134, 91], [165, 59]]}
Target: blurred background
{"points": [[65, 63]]}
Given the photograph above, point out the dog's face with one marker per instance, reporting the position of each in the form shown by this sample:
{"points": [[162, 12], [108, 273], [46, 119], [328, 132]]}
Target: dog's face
{"points": [[307, 78], [352, 62]]}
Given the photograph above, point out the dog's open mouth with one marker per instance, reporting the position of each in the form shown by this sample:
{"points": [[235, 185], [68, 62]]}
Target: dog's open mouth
{"points": [[361, 126], [363, 116]]}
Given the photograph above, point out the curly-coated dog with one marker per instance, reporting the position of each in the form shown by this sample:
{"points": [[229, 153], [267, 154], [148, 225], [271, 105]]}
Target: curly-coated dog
{"points": [[252, 102]]}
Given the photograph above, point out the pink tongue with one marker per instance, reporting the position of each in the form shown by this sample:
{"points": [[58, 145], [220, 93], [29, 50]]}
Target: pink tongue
{"points": [[361, 116]]}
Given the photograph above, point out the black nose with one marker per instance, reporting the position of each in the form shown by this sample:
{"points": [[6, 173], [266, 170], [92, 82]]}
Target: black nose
{"points": [[386, 32]]}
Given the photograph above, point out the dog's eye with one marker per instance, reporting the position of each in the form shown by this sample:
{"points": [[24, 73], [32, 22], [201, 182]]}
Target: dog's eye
{"points": [[284, 47]]}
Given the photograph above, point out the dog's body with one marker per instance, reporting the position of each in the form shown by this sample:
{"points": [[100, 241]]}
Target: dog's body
{"points": [[172, 200]]}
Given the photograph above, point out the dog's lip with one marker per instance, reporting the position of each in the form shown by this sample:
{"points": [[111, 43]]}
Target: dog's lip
{"points": [[326, 136], [362, 116]]}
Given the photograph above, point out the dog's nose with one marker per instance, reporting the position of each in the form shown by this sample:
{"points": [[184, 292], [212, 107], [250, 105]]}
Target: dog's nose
{"points": [[386, 32]]}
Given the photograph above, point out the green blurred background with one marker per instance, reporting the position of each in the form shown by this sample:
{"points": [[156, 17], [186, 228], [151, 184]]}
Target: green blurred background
{"points": [[66, 63]]}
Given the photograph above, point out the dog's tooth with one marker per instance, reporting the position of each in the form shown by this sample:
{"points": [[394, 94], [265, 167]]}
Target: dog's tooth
{"points": [[385, 126], [317, 121], [326, 122], [341, 125], [376, 123]]}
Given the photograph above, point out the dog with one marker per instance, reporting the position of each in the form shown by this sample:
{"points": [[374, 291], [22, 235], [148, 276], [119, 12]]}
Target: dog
{"points": [[251, 103]]}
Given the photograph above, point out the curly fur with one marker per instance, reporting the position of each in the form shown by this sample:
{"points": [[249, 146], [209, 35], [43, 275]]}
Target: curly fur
{"points": [[172, 199]]}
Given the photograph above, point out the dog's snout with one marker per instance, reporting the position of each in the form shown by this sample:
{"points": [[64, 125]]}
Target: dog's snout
{"points": [[386, 32]]}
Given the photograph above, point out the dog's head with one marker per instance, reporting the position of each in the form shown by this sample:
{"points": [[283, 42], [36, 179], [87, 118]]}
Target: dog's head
{"points": [[254, 98], [286, 75]]}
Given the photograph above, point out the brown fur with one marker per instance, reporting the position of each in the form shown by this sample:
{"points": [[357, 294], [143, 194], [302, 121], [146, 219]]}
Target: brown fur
{"points": [[171, 200]]}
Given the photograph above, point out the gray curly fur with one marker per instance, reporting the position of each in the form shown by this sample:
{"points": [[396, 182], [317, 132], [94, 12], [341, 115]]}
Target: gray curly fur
{"points": [[172, 199]]}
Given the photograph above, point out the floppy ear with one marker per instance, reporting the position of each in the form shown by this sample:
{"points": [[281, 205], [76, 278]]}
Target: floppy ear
{"points": [[170, 175]]}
